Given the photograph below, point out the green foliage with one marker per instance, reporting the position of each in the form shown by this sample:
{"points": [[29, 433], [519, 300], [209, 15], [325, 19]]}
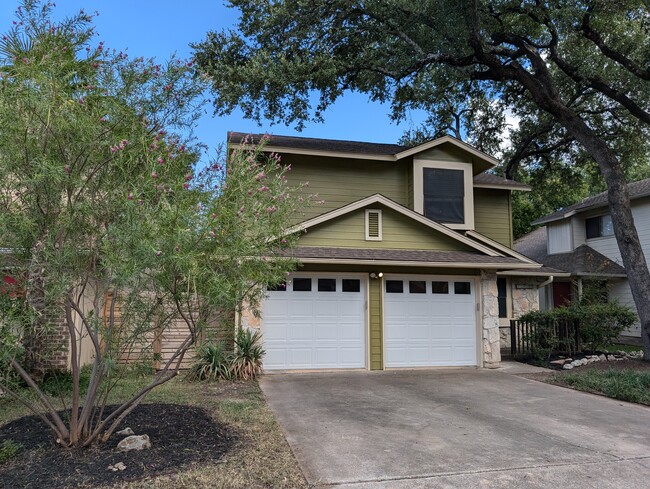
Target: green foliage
{"points": [[212, 362], [599, 324], [110, 222], [626, 385], [9, 449], [57, 383], [248, 355]]}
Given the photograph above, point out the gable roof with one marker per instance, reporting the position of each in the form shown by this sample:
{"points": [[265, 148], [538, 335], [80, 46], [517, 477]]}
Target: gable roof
{"points": [[583, 261], [380, 199], [353, 149], [636, 190]]}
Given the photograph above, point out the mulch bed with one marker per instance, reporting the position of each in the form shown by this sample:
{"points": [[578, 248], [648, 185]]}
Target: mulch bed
{"points": [[180, 435]]}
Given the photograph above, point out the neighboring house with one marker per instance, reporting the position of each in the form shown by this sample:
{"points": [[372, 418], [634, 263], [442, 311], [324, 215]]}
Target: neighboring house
{"points": [[580, 240], [407, 262]]}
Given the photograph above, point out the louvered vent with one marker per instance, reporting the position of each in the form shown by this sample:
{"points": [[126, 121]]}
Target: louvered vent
{"points": [[373, 225]]}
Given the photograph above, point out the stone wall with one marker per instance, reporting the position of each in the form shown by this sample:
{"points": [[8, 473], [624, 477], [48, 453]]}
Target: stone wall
{"points": [[524, 298], [490, 320]]}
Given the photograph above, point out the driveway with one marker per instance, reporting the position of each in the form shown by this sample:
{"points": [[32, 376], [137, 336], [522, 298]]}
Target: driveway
{"points": [[457, 428]]}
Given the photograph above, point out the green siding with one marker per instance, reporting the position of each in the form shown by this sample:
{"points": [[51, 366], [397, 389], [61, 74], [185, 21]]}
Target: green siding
{"points": [[375, 318], [399, 233], [446, 152], [492, 214], [338, 181]]}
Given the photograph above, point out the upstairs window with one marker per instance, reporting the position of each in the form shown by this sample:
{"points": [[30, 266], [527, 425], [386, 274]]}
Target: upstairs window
{"points": [[598, 227], [444, 195], [443, 192]]}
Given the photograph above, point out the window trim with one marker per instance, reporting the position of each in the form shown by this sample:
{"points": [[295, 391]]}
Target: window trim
{"points": [[380, 229], [418, 188], [600, 227]]}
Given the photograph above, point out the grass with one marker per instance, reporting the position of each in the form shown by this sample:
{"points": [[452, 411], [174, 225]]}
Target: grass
{"points": [[9, 449], [261, 458], [626, 348], [626, 385]]}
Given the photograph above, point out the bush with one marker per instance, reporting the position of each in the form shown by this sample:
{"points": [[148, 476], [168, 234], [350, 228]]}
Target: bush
{"points": [[599, 325], [248, 355], [212, 362]]}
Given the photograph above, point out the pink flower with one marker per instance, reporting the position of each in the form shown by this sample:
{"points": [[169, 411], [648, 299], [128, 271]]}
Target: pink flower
{"points": [[260, 176], [140, 202], [284, 241], [188, 177], [67, 169], [271, 209], [160, 161], [130, 196], [154, 175], [158, 253], [186, 186]]}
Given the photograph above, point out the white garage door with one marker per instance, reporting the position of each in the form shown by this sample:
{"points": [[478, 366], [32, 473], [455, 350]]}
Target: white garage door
{"points": [[315, 322], [429, 321]]}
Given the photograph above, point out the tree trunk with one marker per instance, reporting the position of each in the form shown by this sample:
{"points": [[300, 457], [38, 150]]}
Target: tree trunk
{"points": [[627, 237]]}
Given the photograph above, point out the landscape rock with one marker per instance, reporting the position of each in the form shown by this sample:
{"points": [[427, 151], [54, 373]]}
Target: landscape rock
{"points": [[558, 362], [567, 366], [603, 357], [125, 432], [134, 442], [118, 466]]}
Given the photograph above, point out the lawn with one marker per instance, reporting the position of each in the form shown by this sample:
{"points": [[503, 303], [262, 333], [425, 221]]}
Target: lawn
{"points": [[257, 455]]}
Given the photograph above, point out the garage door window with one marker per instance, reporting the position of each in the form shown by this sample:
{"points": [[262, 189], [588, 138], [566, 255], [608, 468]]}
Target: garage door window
{"points": [[417, 287], [394, 286], [462, 288], [302, 285], [439, 287], [326, 285], [351, 285]]}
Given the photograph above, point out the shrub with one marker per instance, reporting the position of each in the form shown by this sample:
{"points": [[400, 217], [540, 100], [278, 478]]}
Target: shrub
{"points": [[248, 355], [212, 362], [599, 325]]}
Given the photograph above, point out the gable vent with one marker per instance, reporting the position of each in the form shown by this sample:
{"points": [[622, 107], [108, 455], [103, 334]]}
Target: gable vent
{"points": [[373, 225]]}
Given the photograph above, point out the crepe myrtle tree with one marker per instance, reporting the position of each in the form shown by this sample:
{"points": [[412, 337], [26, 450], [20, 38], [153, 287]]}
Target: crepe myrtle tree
{"points": [[576, 73], [109, 232]]}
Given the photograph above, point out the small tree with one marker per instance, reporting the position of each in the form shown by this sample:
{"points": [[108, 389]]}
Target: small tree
{"points": [[110, 233]]}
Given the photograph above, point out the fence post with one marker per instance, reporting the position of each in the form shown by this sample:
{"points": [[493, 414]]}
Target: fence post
{"points": [[513, 338]]}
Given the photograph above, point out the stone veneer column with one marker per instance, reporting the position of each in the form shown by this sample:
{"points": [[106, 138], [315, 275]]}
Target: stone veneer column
{"points": [[490, 320], [525, 298]]}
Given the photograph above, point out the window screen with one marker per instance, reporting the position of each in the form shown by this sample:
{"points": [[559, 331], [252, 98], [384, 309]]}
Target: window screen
{"points": [[462, 288], [502, 297], [444, 195], [440, 287], [351, 285], [301, 284], [394, 286], [326, 285], [593, 227], [597, 227], [417, 287]]}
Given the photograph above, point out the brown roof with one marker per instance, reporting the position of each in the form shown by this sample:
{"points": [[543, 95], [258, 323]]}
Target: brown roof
{"points": [[584, 260], [636, 189], [491, 179], [320, 144], [419, 256]]}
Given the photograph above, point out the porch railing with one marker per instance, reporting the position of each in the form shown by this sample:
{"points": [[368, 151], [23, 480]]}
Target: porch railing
{"points": [[563, 336]]}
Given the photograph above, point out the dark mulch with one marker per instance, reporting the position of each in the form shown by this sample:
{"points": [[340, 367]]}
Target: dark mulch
{"points": [[180, 435]]}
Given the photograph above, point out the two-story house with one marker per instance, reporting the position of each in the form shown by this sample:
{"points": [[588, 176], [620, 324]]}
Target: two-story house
{"points": [[406, 262], [580, 240]]}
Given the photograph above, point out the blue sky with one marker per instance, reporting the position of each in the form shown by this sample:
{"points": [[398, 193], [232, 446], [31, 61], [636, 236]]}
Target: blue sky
{"points": [[159, 28]]}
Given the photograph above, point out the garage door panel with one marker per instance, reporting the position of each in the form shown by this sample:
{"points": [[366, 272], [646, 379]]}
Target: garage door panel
{"points": [[315, 329], [432, 329]]}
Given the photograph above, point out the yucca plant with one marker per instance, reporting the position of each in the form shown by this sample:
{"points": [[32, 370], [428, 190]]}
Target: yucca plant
{"points": [[247, 358], [212, 362]]}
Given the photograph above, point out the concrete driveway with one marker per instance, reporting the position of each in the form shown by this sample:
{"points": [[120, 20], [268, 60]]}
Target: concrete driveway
{"points": [[457, 428]]}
